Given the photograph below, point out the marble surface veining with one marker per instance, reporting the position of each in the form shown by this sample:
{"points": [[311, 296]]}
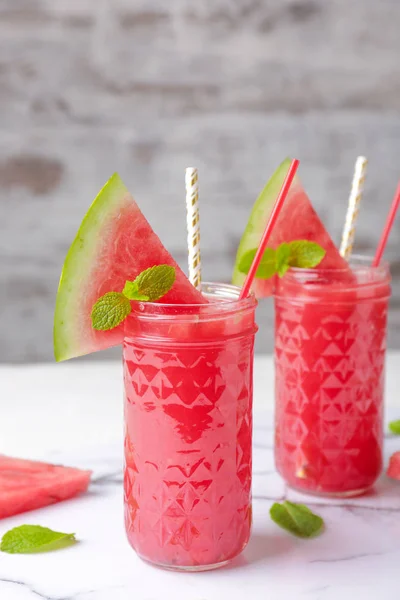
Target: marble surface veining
{"points": [[357, 555]]}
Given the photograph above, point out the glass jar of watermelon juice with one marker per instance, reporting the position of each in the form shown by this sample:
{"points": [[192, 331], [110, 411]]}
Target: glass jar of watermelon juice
{"points": [[188, 429], [330, 341]]}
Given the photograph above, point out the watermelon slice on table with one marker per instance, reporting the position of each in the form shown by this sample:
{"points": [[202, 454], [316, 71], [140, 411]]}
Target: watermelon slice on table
{"points": [[297, 221], [114, 244], [28, 485], [393, 469]]}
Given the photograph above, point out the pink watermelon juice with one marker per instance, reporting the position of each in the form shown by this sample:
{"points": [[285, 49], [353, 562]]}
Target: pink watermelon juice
{"points": [[330, 340], [188, 403]]}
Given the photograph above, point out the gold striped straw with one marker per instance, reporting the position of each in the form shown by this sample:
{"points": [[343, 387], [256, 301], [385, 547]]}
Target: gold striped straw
{"points": [[193, 226], [360, 169]]}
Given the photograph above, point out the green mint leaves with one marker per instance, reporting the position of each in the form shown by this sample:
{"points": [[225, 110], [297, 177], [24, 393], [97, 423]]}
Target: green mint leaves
{"points": [[305, 254], [34, 538], [394, 427], [267, 267], [282, 259], [299, 253], [109, 311], [296, 518], [150, 285]]}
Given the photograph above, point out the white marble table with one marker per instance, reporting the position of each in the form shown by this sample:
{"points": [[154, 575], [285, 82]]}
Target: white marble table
{"points": [[72, 413]]}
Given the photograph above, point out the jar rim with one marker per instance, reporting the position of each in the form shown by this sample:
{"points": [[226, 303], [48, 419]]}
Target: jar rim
{"points": [[227, 293], [316, 283], [356, 262]]}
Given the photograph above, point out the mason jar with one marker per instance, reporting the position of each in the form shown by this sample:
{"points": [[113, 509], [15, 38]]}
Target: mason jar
{"points": [[330, 345], [188, 374]]}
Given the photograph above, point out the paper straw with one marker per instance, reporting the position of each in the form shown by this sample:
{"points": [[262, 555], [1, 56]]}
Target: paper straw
{"points": [[388, 226], [193, 226], [268, 229], [346, 247]]}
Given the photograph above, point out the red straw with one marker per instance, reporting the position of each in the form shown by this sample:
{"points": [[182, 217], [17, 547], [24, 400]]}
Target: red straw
{"points": [[269, 227], [388, 226]]}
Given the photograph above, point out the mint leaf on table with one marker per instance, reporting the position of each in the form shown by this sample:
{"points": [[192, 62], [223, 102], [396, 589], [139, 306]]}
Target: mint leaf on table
{"points": [[267, 266], [297, 519], [34, 538], [109, 311], [305, 254], [151, 285], [394, 427]]}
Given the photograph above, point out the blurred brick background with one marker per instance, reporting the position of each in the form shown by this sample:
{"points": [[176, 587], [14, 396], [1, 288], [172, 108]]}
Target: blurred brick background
{"points": [[147, 87]]}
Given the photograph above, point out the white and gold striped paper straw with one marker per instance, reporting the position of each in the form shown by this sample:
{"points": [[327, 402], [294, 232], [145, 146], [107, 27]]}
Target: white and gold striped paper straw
{"points": [[346, 246], [193, 226]]}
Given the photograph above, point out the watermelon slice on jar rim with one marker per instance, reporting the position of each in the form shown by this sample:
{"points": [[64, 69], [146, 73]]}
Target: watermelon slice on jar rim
{"points": [[298, 220], [114, 243]]}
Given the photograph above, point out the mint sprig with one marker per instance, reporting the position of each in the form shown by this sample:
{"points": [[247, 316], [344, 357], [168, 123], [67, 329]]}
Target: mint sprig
{"points": [[282, 259], [394, 427], [150, 285], [296, 518], [109, 311], [305, 254], [267, 266], [302, 254], [26, 539]]}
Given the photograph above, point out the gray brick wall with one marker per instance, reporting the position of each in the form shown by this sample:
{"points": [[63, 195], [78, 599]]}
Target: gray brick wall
{"points": [[147, 87]]}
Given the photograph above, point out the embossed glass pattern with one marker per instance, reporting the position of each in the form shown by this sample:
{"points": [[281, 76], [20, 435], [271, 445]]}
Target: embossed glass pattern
{"points": [[188, 429], [330, 342]]}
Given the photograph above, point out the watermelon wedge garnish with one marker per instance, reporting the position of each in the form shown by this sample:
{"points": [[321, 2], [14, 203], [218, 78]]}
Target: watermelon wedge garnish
{"points": [[114, 244], [28, 485], [393, 469], [297, 221]]}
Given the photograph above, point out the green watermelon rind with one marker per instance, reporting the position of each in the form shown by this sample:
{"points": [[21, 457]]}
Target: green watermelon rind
{"points": [[259, 215], [78, 263]]}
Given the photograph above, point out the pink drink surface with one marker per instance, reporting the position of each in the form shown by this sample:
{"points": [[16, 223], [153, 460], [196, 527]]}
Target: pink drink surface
{"points": [[330, 344], [188, 446]]}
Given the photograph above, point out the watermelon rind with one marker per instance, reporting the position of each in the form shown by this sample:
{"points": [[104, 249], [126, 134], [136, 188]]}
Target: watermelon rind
{"points": [[259, 215], [78, 262]]}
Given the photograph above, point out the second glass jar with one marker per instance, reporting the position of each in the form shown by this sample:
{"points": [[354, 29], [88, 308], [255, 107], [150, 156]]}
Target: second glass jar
{"points": [[330, 342]]}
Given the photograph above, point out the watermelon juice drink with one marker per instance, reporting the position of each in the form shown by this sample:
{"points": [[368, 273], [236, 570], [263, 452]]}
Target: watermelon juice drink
{"points": [[330, 341], [188, 415]]}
